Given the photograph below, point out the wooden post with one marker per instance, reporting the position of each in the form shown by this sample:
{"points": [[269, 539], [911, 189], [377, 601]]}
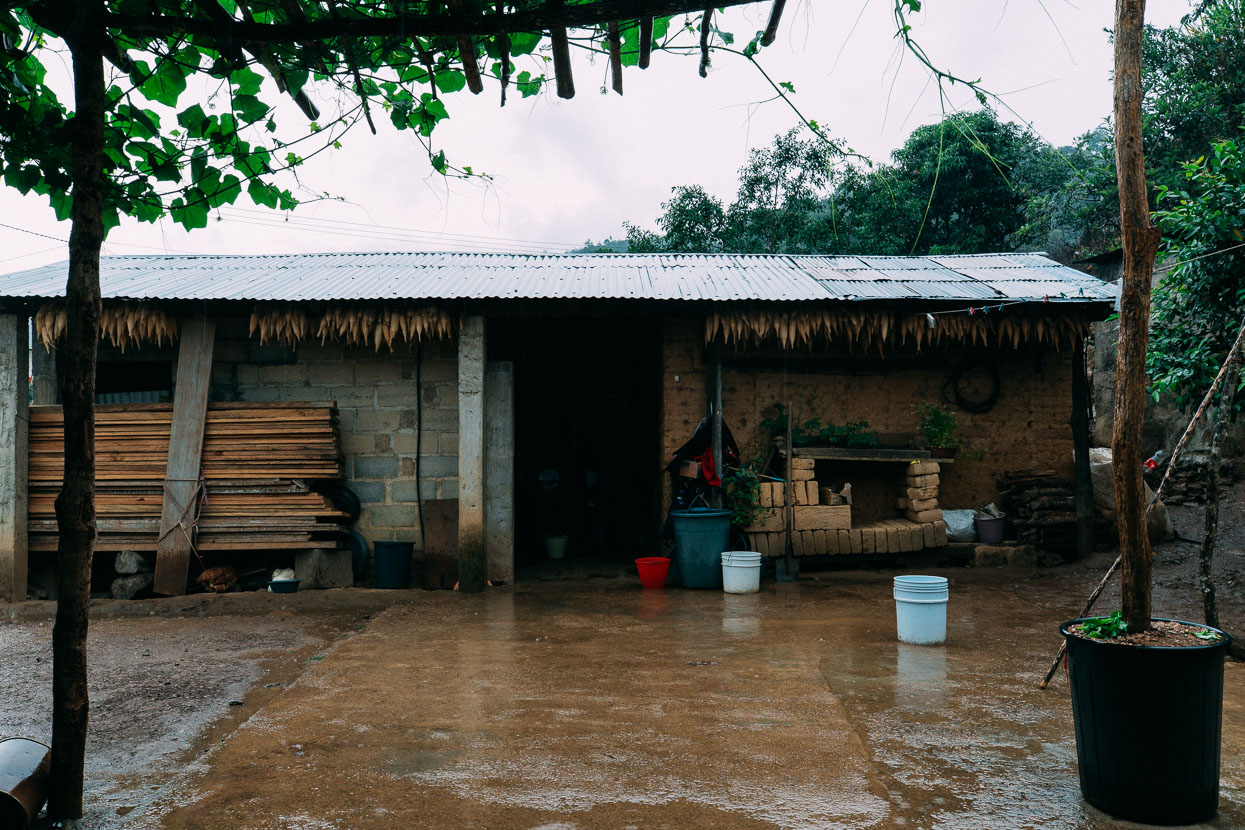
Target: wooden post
{"points": [[1139, 241], [14, 421], [1080, 452], [472, 555], [181, 484], [788, 512], [499, 470], [43, 374], [714, 359]]}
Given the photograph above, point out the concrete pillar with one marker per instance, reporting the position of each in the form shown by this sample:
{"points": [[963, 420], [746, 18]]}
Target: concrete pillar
{"points": [[472, 557], [499, 470], [43, 374], [14, 424]]}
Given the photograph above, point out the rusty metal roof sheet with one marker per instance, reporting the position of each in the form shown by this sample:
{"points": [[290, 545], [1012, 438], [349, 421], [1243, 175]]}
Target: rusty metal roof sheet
{"points": [[679, 277]]}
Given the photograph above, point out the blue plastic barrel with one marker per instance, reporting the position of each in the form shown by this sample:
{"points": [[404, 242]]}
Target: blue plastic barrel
{"points": [[700, 536]]}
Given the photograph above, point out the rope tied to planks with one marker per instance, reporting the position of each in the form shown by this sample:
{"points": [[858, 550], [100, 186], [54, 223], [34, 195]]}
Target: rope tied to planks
{"points": [[188, 525]]}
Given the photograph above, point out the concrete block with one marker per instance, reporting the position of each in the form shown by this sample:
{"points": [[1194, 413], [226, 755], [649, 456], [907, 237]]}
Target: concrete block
{"points": [[375, 467], [802, 475], [292, 373], [447, 444], [940, 533], [393, 515], [924, 516], [361, 397], [917, 493], [408, 419], [383, 369], [923, 468], [333, 374], [822, 517], [403, 490], [922, 481], [378, 420], [323, 568], [438, 466]]}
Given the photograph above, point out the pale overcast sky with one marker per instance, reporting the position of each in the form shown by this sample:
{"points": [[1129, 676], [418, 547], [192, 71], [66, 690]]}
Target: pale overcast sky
{"points": [[567, 171]]}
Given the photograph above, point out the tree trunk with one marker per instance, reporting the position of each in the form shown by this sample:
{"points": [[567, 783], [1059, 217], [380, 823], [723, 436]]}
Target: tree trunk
{"points": [[1206, 556], [1139, 240], [75, 506]]}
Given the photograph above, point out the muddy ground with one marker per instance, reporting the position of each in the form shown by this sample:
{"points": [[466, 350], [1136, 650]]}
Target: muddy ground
{"points": [[591, 704]]}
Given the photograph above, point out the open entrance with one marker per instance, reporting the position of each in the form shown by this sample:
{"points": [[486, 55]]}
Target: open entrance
{"points": [[587, 416]]}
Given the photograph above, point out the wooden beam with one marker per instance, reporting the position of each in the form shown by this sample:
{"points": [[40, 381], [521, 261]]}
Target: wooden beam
{"points": [[43, 373], [472, 553], [181, 484]]}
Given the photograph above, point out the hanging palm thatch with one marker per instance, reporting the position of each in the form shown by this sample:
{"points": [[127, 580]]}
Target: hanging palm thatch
{"points": [[879, 329], [121, 323]]}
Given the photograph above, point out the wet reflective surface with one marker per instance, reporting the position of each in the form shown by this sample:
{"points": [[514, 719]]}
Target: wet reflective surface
{"points": [[595, 704]]}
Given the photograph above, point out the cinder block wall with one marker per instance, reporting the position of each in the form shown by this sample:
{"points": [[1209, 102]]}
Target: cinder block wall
{"points": [[1027, 428], [376, 399]]}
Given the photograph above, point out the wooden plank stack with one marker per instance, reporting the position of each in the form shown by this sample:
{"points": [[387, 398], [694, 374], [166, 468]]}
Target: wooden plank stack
{"points": [[257, 460]]}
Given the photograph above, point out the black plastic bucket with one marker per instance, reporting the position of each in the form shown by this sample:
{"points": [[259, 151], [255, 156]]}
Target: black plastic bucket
{"points": [[393, 564], [1148, 726]]}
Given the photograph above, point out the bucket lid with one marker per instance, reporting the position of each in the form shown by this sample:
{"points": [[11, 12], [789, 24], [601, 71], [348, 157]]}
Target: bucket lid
{"points": [[918, 583], [740, 556]]}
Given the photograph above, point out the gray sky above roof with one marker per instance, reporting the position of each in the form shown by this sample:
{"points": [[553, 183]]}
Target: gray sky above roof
{"points": [[565, 171], [449, 276]]}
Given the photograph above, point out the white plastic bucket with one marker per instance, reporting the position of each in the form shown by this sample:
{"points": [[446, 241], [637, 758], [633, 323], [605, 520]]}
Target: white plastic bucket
{"points": [[741, 572], [921, 609]]}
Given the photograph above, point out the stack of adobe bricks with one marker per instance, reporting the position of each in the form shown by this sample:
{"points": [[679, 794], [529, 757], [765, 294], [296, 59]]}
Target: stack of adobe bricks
{"points": [[918, 495]]}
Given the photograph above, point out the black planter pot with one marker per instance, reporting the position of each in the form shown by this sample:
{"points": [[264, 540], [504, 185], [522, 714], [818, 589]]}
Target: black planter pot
{"points": [[1148, 723]]}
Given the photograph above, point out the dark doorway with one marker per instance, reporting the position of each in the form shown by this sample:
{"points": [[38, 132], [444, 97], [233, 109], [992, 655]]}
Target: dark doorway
{"points": [[587, 415]]}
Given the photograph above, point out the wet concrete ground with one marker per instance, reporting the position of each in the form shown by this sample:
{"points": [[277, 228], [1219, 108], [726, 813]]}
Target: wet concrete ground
{"points": [[596, 705]]}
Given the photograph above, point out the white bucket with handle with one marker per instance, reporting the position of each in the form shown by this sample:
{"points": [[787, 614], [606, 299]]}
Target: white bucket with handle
{"points": [[741, 572]]}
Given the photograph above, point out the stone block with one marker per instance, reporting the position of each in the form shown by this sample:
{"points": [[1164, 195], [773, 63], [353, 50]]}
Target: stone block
{"points": [[406, 467], [323, 568], [447, 488], [990, 556], [922, 481], [923, 468], [129, 587], [375, 467], [923, 516], [822, 517], [820, 545]]}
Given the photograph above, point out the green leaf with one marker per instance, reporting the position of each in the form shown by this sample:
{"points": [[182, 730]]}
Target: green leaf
{"points": [[246, 81], [522, 43], [450, 81], [190, 214], [193, 118], [166, 85], [262, 193], [250, 108]]}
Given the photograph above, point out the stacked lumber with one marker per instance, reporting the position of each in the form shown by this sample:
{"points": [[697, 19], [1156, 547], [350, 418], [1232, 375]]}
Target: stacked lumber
{"points": [[257, 460]]}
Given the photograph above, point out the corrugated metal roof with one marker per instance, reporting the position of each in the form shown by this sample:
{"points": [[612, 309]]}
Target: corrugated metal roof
{"points": [[450, 276]]}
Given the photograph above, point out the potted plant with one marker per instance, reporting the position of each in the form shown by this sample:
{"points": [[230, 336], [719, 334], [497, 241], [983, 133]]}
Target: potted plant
{"points": [[1147, 693], [940, 430]]}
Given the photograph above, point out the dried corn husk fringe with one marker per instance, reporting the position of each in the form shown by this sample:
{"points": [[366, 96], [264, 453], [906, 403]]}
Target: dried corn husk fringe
{"points": [[384, 325], [121, 323], [881, 329], [285, 323]]}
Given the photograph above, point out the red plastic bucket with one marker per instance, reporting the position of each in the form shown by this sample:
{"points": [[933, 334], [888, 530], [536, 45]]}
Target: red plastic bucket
{"points": [[653, 570]]}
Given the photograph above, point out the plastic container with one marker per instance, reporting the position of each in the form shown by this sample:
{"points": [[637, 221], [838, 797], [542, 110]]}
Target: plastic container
{"points": [[393, 564], [283, 586], [1148, 726], [555, 545], [921, 609], [653, 571], [741, 572], [700, 536], [989, 531], [24, 766]]}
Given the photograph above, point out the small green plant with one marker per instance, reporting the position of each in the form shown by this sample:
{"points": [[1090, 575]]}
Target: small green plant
{"points": [[939, 426], [1105, 628], [854, 434], [742, 487], [1206, 634]]}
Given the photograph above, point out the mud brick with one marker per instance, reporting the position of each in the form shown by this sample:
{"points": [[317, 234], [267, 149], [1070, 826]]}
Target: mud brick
{"points": [[892, 539], [905, 538], [822, 517], [924, 516], [759, 542], [923, 481], [777, 492], [940, 533], [853, 539], [814, 492], [802, 475], [868, 540], [802, 463], [927, 530], [902, 503], [919, 505], [845, 544], [880, 542], [916, 493], [777, 544], [768, 521], [830, 542], [797, 544], [799, 492], [810, 542], [766, 495], [923, 468]]}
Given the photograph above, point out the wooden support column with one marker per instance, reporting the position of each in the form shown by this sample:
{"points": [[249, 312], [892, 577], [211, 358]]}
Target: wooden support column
{"points": [[14, 423], [43, 374], [181, 485], [1080, 453], [499, 470], [713, 360], [472, 556]]}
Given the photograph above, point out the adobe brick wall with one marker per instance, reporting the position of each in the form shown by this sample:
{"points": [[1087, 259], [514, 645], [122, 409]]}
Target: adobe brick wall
{"points": [[1027, 428], [376, 399]]}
